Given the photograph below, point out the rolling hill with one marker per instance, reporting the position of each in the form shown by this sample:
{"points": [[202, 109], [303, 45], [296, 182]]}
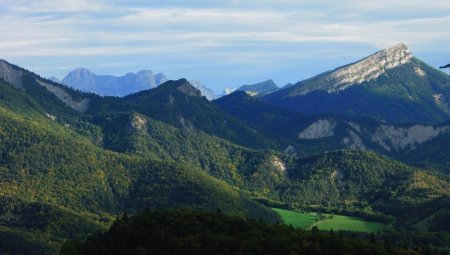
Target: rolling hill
{"points": [[179, 104], [57, 184]]}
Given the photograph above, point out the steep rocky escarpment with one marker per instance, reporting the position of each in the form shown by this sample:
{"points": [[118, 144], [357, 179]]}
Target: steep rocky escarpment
{"points": [[364, 70], [398, 138], [10, 74], [320, 129], [78, 105]]}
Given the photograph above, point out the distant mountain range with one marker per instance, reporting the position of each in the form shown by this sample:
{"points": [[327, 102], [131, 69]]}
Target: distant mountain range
{"points": [[108, 85], [390, 85]]}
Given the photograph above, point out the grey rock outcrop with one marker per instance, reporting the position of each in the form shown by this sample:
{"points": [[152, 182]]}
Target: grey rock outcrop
{"points": [[14, 76], [64, 96], [189, 90], [10, 74], [320, 129], [205, 91], [397, 138]]}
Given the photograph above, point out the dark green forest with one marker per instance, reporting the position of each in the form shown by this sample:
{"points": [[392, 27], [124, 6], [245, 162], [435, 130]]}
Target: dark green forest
{"points": [[194, 232]]}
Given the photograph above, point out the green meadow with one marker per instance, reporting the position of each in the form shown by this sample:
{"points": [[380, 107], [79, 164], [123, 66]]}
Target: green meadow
{"points": [[296, 219], [335, 222]]}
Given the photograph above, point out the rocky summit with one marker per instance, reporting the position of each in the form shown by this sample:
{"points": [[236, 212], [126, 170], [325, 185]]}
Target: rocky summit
{"points": [[390, 85], [362, 71]]}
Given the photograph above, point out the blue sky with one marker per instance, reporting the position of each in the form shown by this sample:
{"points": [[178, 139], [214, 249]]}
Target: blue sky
{"points": [[221, 43]]}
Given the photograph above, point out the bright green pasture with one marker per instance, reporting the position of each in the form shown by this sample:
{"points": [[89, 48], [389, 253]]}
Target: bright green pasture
{"points": [[338, 222], [296, 219]]}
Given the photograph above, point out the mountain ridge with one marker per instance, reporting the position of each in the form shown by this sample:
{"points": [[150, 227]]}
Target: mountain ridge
{"points": [[260, 88], [403, 89], [363, 70], [109, 85]]}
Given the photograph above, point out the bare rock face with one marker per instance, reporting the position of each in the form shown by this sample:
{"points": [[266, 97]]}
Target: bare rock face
{"points": [[364, 70], [391, 138], [320, 129], [189, 90], [138, 123], [395, 138], [78, 105], [13, 75], [10, 75], [186, 123], [206, 92], [353, 141], [278, 164]]}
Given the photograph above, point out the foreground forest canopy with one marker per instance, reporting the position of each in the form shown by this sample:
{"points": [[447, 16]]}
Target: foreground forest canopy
{"points": [[196, 232]]}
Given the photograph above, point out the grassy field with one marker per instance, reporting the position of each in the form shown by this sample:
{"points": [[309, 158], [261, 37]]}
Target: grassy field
{"points": [[338, 222], [296, 219]]}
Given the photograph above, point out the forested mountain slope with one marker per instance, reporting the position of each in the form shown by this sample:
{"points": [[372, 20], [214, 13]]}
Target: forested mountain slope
{"points": [[48, 169], [389, 85]]}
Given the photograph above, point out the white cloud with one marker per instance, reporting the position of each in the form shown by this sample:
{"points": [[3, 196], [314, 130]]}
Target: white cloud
{"points": [[223, 33], [58, 6]]}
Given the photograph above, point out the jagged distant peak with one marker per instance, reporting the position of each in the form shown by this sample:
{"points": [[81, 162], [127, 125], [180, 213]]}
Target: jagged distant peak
{"points": [[81, 70], [364, 70], [143, 73], [160, 78], [206, 92], [110, 85]]}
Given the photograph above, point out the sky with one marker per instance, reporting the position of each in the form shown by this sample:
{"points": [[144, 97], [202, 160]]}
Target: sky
{"points": [[224, 43]]}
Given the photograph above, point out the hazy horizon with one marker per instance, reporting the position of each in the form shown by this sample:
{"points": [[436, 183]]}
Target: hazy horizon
{"points": [[220, 43]]}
